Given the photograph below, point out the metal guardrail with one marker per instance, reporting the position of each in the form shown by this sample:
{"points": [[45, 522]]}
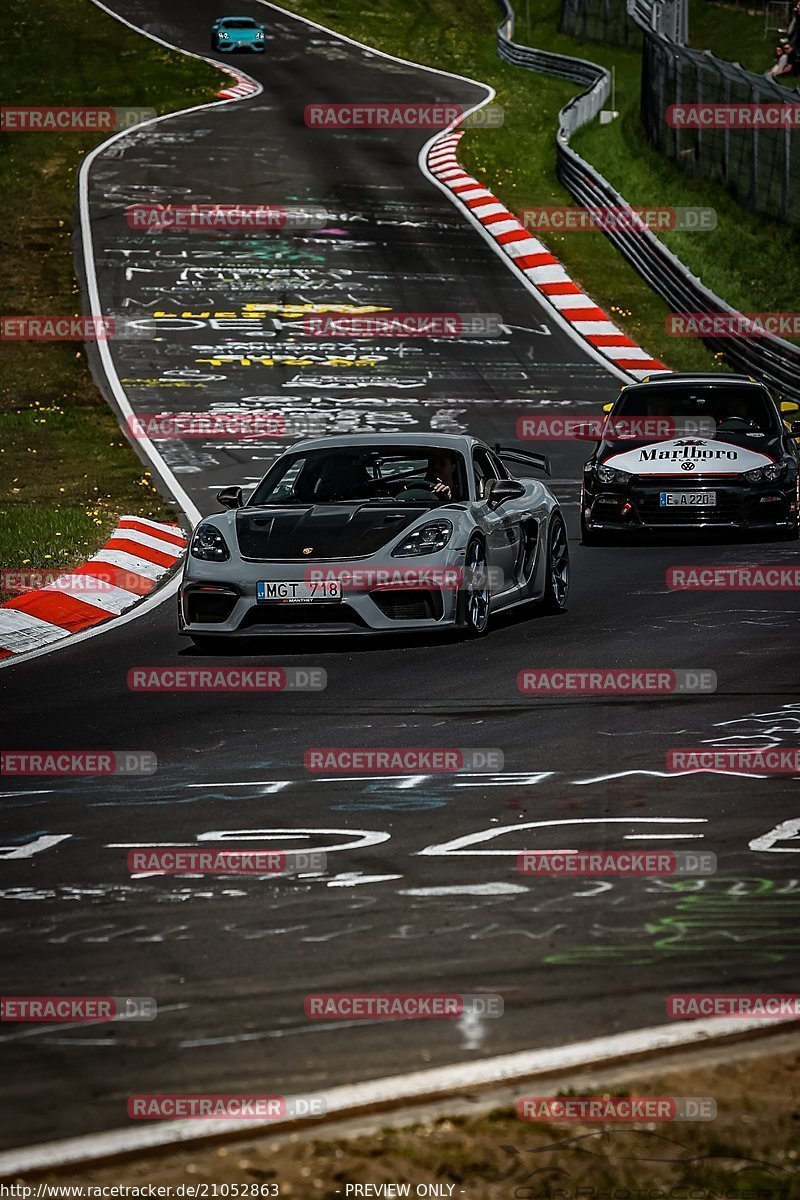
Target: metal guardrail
{"points": [[772, 359]]}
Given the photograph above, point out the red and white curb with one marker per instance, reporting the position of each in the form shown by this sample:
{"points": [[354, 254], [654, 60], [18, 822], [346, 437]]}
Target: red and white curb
{"points": [[533, 260], [244, 86], [131, 565]]}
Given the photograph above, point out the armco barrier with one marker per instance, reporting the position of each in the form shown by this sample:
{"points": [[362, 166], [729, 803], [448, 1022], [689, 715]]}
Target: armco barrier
{"points": [[772, 359]]}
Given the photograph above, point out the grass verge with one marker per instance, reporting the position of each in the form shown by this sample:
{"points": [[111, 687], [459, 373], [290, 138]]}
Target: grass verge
{"points": [[748, 1152], [66, 471], [744, 260]]}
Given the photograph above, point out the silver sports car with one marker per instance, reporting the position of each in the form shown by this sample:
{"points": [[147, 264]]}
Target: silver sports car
{"points": [[376, 533]]}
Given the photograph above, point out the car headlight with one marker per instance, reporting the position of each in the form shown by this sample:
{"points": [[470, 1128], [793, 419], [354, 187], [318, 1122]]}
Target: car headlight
{"points": [[222, 35], [259, 37], [209, 544], [425, 540], [755, 476], [612, 475], [774, 471]]}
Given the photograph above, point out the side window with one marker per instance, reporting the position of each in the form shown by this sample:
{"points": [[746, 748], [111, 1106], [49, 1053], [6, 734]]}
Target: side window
{"points": [[499, 467], [484, 470]]}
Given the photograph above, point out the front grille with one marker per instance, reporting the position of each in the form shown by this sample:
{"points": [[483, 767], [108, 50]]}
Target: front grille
{"points": [[303, 614], [405, 604], [727, 510]]}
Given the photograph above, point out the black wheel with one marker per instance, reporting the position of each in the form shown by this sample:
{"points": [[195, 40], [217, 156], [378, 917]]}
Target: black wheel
{"points": [[556, 587], [475, 596]]}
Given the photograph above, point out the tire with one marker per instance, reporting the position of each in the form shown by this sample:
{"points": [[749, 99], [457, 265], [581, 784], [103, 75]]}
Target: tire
{"points": [[556, 588], [474, 598]]}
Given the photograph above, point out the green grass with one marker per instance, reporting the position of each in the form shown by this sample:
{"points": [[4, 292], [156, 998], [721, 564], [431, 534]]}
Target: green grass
{"points": [[744, 260], [735, 34], [66, 471]]}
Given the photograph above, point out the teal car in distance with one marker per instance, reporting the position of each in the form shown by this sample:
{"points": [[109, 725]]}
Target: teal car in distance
{"points": [[237, 33]]}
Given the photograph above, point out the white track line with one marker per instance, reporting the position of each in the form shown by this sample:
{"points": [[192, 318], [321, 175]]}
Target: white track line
{"points": [[394, 1090], [151, 452]]}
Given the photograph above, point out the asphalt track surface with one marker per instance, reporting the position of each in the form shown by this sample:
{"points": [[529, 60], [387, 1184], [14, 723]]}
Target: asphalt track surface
{"points": [[229, 960]]}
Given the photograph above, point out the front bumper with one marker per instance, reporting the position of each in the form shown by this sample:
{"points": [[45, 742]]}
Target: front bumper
{"points": [[637, 507], [227, 46], [219, 600]]}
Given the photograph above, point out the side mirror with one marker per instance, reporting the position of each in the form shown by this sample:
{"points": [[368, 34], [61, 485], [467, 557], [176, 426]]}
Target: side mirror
{"points": [[503, 490], [230, 497], [788, 406], [608, 407]]}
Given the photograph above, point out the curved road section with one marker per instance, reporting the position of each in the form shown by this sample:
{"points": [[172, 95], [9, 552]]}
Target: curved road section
{"points": [[420, 891]]}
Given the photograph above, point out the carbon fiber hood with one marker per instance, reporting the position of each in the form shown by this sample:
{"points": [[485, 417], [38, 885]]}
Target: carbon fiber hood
{"points": [[308, 532]]}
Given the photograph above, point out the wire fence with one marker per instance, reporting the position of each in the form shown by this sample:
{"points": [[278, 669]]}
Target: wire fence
{"points": [[772, 359], [759, 166], [600, 21]]}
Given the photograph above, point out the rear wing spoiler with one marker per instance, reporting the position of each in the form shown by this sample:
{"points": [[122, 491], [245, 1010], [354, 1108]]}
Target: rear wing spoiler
{"points": [[527, 458]]}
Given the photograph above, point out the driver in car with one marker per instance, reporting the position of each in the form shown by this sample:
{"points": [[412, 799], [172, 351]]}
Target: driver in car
{"points": [[443, 476]]}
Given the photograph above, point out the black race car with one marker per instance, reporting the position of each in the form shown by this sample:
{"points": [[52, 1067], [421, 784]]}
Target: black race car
{"points": [[693, 451]]}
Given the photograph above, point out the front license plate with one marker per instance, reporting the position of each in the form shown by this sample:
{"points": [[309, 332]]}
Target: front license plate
{"points": [[297, 592], [687, 499]]}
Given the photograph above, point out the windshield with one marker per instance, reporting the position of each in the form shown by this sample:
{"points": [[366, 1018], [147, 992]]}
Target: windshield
{"points": [[401, 474], [733, 408], [240, 23]]}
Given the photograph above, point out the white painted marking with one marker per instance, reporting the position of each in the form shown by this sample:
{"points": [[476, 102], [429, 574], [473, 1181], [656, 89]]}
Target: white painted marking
{"points": [[397, 1089], [156, 526], [148, 539], [107, 597], [466, 889], [787, 831], [44, 842], [20, 632], [354, 878], [140, 566], [455, 847]]}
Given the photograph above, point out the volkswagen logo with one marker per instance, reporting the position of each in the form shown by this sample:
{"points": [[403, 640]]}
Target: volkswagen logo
{"points": [[307, 549], [687, 466]]}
